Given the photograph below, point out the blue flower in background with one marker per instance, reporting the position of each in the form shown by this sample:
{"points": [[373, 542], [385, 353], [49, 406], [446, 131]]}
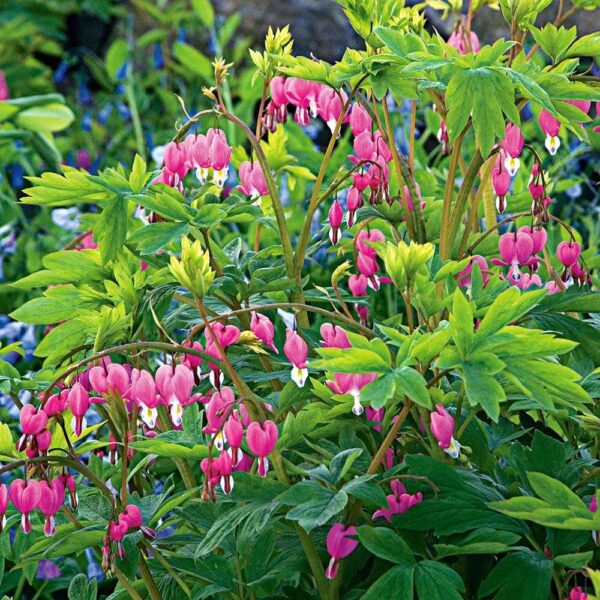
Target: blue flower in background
{"points": [[94, 571], [526, 113], [120, 89], [83, 94], [157, 56], [574, 191], [95, 165], [86, 121], [182, 35], [121, 74], [104, 114], [124, 111], [17, 175], [61, 72]]}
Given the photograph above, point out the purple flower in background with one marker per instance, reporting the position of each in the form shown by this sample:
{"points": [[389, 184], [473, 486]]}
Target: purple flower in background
{"points": [[47, 569]]}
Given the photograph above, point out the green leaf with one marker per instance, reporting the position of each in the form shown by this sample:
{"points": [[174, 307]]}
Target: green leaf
{"points": [[111, 229], [116, 56], [484, 94], [384, 543], [350, 360], [318, 510], [412, 384], [482, 541], [342, 463], [204, 10], [44, 311], [378, 392], [7, 445], [587, 45], [523, 574], [154, 236], [164, 201], [82, 589], [7, 110], [573, 300], [193, 61], [48, 117], [436, 581], [585, 335], [394, 584], [170, 449], [509, 306], [461, 321], [557, 494], [577, 560], [483, 389], [63, 339], [554, 40], [138, 176]]}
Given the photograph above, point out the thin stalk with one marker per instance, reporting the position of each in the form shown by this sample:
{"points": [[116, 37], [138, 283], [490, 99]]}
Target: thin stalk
{"points": [[135, 115], [390, 437], [476, 200], [148, 579], [448, 193], [413, 127], [461, 199]]}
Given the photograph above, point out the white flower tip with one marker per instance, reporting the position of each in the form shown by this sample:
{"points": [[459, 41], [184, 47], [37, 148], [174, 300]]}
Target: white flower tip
{"points": [[453, 450], [149, 416], [357, 408], [512, 165], [299, 376], [552, 144]]}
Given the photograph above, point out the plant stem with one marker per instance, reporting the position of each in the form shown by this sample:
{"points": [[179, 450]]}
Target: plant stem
{"points": [[461, 200], [390, 437], [148, 579], [448, 192], [135, 115], [413, 127], [474, 215]]}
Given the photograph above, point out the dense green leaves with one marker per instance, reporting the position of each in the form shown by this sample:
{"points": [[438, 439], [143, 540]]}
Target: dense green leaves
{"points": [[523, 573], [557, 506], [485, 95]]}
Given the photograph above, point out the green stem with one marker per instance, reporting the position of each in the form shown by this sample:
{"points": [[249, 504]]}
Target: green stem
{"points": [[389, 438], [448, 192], [135, 115], [461, 200]]}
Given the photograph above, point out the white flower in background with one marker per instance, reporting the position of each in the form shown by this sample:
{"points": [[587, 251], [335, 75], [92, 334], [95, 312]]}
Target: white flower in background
{"points": [[158, 155], [67, 218]]}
